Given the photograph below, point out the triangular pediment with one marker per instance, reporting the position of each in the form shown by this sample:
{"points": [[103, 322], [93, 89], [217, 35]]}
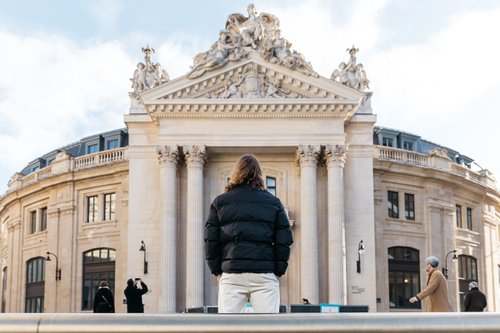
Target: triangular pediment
{"points": [[249, 69], [252, 78], [251, 84]]}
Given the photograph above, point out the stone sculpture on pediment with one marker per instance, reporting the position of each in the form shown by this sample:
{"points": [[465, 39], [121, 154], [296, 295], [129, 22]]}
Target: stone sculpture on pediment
{"points": [[351, 74], [148, 74], [243, 35]]}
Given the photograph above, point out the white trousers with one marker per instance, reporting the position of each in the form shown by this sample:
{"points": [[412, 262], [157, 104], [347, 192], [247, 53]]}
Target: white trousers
{"points": [[260, 289]]}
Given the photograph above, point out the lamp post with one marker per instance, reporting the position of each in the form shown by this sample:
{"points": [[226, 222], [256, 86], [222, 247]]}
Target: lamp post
{"points": [[361, 249], [445, 268], [143, 249], [58, 270]]}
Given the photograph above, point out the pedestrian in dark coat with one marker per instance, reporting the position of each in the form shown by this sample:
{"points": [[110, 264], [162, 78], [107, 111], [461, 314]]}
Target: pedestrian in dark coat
{"points": [[247, 241], [134, 296], [475, 301], [104, 302]]}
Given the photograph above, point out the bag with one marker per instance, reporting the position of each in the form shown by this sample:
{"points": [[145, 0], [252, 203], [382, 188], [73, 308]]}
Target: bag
{"points": [[103, 307]]}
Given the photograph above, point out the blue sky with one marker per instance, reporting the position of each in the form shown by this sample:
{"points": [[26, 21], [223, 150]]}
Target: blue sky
{"points": [[433, 65]]}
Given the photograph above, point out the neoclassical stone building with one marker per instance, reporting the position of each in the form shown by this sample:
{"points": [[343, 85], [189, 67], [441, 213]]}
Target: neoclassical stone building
{"points": [[366, 204]]}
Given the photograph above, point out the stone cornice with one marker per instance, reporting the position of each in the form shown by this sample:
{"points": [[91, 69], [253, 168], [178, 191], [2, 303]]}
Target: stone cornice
{"points": [[299, 108]]}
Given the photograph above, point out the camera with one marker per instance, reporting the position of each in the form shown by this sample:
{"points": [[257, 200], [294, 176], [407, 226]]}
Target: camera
{"points": [[137, 279]]}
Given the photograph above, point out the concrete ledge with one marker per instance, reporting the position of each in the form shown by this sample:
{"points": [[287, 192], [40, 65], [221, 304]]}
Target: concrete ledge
{"points": [[309, 322]]}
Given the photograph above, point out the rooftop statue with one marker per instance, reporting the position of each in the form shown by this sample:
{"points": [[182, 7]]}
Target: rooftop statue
{"points": [[148, 74], [351, 74], [243, 35]]}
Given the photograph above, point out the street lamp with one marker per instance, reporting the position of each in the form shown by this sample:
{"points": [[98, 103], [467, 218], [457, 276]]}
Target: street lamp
{"points": [[58, 270], [445, 268], [361, 249], [143, 249]]}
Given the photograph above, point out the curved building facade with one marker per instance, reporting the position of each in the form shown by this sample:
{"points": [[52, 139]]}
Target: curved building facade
{"points": [[366, 204]]}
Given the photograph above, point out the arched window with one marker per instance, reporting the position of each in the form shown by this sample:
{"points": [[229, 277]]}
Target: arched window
{"points": [[4, 288], [98, 265], [35, 285], [404, 277], [467, 272]]}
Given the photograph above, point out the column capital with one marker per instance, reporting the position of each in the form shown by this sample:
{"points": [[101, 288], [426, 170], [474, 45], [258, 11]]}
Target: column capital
{"points": [[307, 155], [195, 155], [167, 154], [335, 155]]}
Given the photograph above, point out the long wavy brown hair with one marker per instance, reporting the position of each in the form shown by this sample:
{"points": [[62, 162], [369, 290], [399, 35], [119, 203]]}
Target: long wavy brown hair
{"points": [[247, 171]]}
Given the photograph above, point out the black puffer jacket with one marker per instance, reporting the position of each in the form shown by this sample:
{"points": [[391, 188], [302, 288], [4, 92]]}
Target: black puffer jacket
{"points": [[475, 301], [247, 231]]}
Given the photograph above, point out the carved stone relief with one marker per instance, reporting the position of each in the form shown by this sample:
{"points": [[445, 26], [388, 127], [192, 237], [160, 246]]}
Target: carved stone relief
{"points": [[251, 81]]}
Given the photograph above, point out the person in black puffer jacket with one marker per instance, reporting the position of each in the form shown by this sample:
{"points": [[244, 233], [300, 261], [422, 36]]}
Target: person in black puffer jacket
{"points": [[247, 241], [475, 301]]}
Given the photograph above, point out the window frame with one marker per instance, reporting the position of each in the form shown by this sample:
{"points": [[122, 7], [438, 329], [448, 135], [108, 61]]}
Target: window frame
{"points": [[32, 221], [409, 206], [92, 208], [458, 216], [467, 272], [271, 188], [393, 207], [4, 289], [43, 219], [469, 218], [35, 285], [93, 148], [96, 270], [109, 211], [407, 269]]}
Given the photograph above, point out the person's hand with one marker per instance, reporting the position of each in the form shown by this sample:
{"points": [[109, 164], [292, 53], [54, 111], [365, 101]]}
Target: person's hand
{"points": [[218, 277], [413, 299]]}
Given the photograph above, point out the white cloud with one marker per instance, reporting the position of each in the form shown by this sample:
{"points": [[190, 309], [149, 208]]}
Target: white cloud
{"points": [[53, 92], [444, 89]]}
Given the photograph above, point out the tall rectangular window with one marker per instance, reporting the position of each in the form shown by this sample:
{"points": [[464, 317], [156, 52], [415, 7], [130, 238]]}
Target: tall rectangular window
{"points": [[393, 204], [458, 213], [43, 218], [109, 206], [469, 218], [4, 289], [33, 222], [35, 285], [404, 277], [409, 206], [92, 207], [271, 185], [467, 272]]}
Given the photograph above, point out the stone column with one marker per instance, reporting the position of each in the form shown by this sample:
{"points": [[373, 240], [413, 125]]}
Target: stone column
{"points": [[337, 287], [195, 160], [167, 156], [309, 282]]}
